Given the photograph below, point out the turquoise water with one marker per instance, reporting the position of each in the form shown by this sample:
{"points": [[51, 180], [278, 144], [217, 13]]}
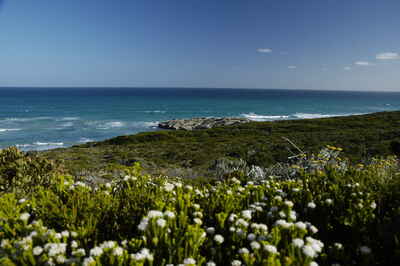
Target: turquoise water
{"points": [[45, 118]]}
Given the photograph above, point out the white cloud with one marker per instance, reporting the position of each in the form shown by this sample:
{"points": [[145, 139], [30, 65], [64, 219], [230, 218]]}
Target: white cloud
{"points": [[292, 67], [264, 50], [362, 63], [388, 56], [347, 68]]}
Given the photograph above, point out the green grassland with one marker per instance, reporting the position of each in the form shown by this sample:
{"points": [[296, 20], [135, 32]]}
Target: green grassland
{"points": [[194, 153]]}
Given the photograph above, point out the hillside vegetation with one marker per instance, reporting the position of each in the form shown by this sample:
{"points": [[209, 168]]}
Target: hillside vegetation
{"points": [[197, 153], [324, 211]]}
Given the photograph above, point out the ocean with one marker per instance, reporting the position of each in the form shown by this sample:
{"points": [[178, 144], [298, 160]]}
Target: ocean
{"points": [[47, 118]]}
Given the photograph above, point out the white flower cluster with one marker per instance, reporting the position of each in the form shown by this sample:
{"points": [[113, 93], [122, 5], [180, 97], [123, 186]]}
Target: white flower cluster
{"points": [[158, 216]]}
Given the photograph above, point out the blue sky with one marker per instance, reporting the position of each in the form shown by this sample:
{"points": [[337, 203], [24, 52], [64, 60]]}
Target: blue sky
{"points": [[292, 44]]}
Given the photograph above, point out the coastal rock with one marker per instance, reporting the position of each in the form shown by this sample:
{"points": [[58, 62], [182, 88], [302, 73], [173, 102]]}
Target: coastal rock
{"points": [[201, 123]]}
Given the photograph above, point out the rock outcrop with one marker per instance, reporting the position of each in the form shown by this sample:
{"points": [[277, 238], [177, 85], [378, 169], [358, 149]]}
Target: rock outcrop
{"points": [[201, 123]]}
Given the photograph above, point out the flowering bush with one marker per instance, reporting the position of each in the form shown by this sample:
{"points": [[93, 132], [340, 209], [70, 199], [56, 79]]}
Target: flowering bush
{"points": [[328, 212]]}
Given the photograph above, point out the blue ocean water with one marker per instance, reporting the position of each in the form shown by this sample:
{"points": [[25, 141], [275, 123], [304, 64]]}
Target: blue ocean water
{"points": [[45, 118]]}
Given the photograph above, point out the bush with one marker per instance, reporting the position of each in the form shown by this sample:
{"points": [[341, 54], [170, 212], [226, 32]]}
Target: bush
{"points": [[23, 173], [325, 210]]}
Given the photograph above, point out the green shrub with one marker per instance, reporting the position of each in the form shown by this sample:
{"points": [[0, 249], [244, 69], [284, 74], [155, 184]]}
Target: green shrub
{"points": [[21, 172]]}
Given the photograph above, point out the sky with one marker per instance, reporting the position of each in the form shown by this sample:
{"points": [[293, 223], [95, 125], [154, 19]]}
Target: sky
{"points": [[288, 44]]}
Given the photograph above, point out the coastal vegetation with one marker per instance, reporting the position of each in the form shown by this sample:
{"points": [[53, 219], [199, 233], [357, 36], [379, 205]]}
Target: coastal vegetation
{"points": [[309, 192], [327, 211], [197, 153]]}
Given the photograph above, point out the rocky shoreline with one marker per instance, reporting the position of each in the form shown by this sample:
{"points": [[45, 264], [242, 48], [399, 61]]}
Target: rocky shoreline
{"points": [[201, 123]]}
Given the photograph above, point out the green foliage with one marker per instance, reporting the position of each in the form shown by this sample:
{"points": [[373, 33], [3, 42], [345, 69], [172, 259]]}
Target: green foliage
{"points": [[326, 210], [257, 143], [21, 172]]}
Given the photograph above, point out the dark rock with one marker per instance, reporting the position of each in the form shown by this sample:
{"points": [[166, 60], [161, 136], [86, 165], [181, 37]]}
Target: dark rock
{"points": [[201, 123]]}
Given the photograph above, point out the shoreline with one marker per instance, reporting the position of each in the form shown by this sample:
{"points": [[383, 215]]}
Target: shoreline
{"points": [[156, 128]]}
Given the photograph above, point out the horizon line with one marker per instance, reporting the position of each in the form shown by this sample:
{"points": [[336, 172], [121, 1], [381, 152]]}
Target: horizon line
{"points": [[184, 87]]}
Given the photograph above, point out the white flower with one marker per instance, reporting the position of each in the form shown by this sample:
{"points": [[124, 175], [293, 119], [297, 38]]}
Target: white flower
{"points": [[255, 245], [154, 214], [236, 263], [108, 244], [197, 221], [373, 205], [169, 214], [270, 249], [169, 187], [79, 252], [283, 223], [288, 203], [219, 239], [37, 251], [232, 217], [251, 237], [313, 229], [198, 214], [74, 234], [74, 244], [196, 206], [246, 214], [211, 263], [263, 227], [24, 217], [243, 251], [311, 205], [118, 251], [188, 187], [161, 222], [365, 250], [338, 245], [301, 225], [88, 261], [329, 201], [60, 259], [297, 242], [55, 248], [96, 251], [65, 233], [210, 230], [313, 263], [282, 214], [292, 215], [278, 198], [189, 261], [143, 224], [21, 201], [309, 251], [242, 222]]}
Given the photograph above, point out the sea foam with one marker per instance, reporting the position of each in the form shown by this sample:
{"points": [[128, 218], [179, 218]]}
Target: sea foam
{"points": [[9, 129], [256, 117]]}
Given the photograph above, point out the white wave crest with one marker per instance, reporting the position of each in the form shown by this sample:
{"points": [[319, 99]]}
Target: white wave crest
{"points": [[151, 124], [38, 143], [112, 124], [68, 118], [256, 117], [9, 129], [311, 116], [84, 140], [27, 119], [155, 111]]}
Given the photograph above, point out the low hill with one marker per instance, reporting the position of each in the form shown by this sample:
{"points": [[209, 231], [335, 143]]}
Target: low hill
{"points": [[193, 153]]}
